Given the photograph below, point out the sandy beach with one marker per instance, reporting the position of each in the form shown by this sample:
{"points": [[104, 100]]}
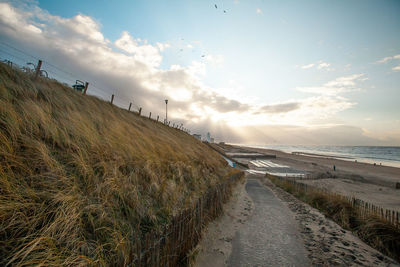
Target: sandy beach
{"points": [[374, 184]]}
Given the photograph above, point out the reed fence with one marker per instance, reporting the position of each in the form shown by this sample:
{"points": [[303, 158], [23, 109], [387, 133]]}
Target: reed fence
{"points": [[170, 246], [364, 208]]}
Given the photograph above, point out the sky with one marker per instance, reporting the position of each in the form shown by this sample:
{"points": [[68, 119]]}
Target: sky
{"points": [[250, 72]]}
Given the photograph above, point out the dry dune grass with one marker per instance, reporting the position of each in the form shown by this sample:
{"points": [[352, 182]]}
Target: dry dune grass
{"points": [[78, 177]]}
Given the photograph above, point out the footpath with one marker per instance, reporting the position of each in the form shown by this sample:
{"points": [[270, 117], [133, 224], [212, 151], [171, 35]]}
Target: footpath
{"points": [[257, 230]]}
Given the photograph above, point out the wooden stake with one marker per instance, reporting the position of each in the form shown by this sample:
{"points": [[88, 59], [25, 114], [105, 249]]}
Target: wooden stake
{"points": [[39, 65], [140, 111], [112, 99], [86, 87], [150, 116], [130, 105], [158, 117]]}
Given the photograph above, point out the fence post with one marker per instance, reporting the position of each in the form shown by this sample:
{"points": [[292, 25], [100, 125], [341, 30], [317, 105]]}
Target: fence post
{"points": [[140, 111], [39, 65], [150, 116], [112, 99], [130, 105], [158, 117], [86, 87]]}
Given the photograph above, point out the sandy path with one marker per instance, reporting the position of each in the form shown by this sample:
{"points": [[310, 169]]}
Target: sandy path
{"points": [[270, 237], [255, 230], [215, 246]]}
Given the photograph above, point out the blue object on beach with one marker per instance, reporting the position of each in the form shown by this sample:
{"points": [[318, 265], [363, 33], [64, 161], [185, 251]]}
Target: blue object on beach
{"points": [[334, 167], [233, 164]]}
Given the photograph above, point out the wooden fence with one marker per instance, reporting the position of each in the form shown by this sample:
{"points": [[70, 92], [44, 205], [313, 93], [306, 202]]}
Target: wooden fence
{"points": [[40, 73], [364, 208], [170, 246]]}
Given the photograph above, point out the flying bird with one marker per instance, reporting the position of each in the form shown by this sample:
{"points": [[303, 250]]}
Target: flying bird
{"points": [[224, 11], [215, 6]]}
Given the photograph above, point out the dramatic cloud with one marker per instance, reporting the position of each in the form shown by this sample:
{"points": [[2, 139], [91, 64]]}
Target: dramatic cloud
{"points": [[337, 86], [130, 68]]}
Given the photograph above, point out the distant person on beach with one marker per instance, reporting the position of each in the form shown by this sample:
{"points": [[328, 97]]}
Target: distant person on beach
{"points": [[334, 167]]}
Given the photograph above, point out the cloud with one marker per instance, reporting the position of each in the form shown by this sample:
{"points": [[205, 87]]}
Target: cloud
{"points": [[308, 66], [140, 50], [281, 108], [323, 65], [295, 135], [337, 86], [259, 11], [319, 65], [215, 60], [388, 59]]}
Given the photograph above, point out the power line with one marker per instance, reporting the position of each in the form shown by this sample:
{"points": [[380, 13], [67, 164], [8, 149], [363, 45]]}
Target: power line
{"points": [[16, 49], [44, 61], [58, 68], [13, 55]]}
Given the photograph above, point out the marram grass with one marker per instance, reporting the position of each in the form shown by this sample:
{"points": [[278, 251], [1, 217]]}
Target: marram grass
{"points": [[79, 177]]}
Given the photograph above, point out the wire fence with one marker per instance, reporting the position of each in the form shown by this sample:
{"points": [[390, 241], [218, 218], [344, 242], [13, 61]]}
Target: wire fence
{"points": [[364, 208], [19, 59]]}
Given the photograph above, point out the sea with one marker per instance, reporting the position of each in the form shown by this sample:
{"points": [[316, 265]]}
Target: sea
{"points": [[385, 155]]}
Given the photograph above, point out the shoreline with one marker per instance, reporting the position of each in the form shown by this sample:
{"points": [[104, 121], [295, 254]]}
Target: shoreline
{"points": [[320, 154], [383, 171]]}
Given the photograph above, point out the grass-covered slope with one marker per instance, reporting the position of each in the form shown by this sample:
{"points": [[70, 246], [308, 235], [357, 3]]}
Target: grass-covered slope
{"points": [[78, 175]]}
